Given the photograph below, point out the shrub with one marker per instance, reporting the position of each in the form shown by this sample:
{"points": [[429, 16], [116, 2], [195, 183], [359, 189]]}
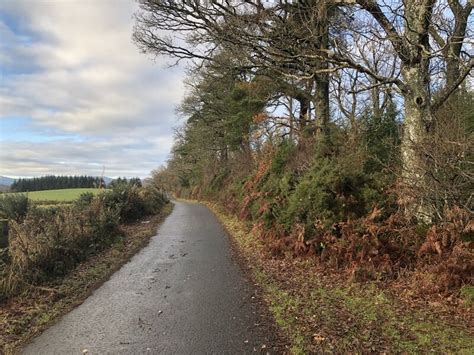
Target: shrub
{"points": [[84, 200], [154, 199], [134, 202], [52, 241], [331, 191], [334, 187], [14, 206], [126, 199], [282, 156]]}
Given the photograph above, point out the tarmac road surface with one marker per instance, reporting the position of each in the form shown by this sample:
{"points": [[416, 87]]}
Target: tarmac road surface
{"points": [[182, 294]]}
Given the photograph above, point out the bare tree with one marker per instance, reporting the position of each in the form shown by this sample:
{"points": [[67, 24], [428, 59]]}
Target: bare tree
{"points": [[312, 40], [279, 41]]}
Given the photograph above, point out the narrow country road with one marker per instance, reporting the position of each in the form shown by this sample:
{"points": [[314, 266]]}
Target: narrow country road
{"points": [[182, 294]]}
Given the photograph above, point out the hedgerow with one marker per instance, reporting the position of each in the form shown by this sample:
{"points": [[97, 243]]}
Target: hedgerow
{"points": [[48, 242]]}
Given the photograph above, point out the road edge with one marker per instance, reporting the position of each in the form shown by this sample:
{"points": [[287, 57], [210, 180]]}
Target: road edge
{"points": [[250, 272], [77, 286]]}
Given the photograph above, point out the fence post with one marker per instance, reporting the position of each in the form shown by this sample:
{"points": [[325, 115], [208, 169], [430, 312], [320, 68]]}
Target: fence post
{"points": [[3, 233]]}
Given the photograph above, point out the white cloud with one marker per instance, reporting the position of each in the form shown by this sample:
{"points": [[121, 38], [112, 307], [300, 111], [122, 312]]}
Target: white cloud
{"points": [[71, 67], [118, 157]]}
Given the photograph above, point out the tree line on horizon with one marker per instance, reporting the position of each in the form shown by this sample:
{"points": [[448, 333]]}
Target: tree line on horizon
{"points": [[52, 182]]}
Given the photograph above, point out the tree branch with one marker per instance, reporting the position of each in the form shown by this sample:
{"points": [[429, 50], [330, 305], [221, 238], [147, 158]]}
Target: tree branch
{"points": [[449, 90]]}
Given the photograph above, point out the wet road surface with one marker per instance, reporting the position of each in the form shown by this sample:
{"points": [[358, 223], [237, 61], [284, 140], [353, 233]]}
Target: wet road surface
{"points": [[182, 294]]}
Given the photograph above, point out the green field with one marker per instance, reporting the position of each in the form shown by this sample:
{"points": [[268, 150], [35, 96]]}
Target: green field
{"points": [[63, 195]]}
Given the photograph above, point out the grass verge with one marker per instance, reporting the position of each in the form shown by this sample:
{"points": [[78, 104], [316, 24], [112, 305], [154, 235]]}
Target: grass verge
{"points": [[25, 316], [319, 311]]}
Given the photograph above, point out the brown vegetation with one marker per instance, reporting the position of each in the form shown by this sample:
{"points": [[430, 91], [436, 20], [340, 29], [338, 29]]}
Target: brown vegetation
{"points": [[341, 130], [25, 315]]}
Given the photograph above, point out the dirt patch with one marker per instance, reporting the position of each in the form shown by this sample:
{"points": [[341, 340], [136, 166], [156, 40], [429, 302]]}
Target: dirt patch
{"points": [[27, 315]]}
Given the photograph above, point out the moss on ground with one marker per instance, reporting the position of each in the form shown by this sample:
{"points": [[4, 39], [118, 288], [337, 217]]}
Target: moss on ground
{"points": [[467, 295]]}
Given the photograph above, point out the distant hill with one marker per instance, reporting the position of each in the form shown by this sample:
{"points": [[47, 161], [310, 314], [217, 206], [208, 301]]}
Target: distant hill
{"points": [[5, 180]]}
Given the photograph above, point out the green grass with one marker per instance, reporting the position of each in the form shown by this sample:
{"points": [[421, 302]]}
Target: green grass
{"points": [[63, 195], [467, 294]]}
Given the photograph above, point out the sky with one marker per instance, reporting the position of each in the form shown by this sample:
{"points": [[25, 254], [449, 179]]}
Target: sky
{"points": [[76, 94]]}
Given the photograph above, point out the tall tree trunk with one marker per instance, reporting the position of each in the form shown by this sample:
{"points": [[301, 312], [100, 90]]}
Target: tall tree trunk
{"points": [[417, 119], [322, 103], [303, 115], [418, 116], [321, 78], [376, 109], [291, 119]]}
